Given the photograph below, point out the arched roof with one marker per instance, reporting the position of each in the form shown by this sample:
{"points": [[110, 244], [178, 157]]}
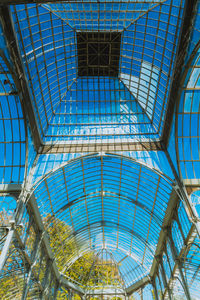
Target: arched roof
{"points": [[132, 105], [106, 202]]}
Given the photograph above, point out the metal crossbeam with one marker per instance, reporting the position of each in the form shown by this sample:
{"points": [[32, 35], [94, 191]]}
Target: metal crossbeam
{"points": [[15, 2], [11, 189], [111, 291], [99, 147], [139, 284]]}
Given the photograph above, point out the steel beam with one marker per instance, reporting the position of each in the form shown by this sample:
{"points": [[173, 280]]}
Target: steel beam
{"points": [[142, 298], [193, 182], [165, 280], [106, 291], [70, 285], [174, 199], [49, 148], [11, 189], [139, 284], [15, 2]]}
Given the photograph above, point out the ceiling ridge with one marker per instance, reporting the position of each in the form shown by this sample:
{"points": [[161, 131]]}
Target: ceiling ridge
{"points": [[146, 12], [63, 95], [125, 28], [91, 268], [57, 15], [99, 255], [119, 272]]}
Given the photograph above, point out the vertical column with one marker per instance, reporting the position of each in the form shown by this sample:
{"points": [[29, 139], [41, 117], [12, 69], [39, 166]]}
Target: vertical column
{"points": [[46, 279], [155, 290], [179, 225], [34, 257], [84, 297], [165, 280], [70, 294], [6, 247], [56, 290], [161, 294], [176, 258], [142, 294], [181, 191]]}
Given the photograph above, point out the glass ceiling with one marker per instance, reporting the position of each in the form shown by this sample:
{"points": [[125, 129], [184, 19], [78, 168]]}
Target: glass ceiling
{"points": [[103, 15], [105, 211], [105, 202], [12, 127], [188, 122], [74, 109]]}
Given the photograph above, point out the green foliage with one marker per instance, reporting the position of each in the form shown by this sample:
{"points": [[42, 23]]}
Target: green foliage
{"points": [[88, 270], [62, 241], [91, 271]]}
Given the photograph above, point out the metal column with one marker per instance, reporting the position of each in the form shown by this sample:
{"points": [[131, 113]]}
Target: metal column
{"points": [[34, 257], [155, 290], [6, 247], [175, 257], [181, 191], [165, 280]]}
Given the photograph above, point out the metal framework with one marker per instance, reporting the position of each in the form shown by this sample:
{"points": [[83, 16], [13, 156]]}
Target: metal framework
{"points": [[99, 143], [148, 113]]}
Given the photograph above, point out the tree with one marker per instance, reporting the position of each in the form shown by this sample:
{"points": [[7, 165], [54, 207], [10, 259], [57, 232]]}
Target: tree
{"points": [[88, 270]]}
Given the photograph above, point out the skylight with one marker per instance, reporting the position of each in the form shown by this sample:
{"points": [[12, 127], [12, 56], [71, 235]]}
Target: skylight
{"points": [[98, 53]]}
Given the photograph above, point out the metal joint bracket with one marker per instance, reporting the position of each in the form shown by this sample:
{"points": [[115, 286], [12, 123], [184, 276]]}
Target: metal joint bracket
{"points": [[52, 260], [166, 229], [12, 224], [176, 186], [158, 258], [195, 219]]}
